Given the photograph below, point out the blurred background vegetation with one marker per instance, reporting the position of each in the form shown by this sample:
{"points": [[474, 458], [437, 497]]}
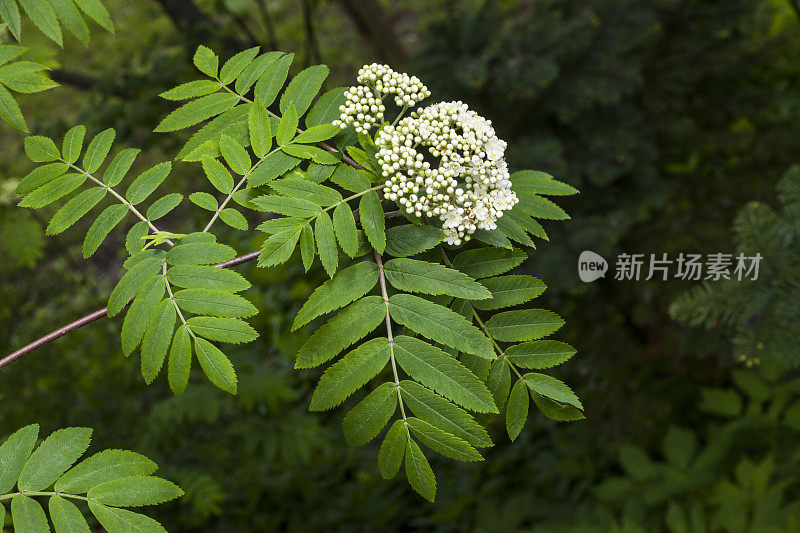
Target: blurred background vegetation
{"points": [[677, 120]]}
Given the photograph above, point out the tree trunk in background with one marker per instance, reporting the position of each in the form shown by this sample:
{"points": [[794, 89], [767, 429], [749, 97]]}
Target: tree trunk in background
{"points": [[372, 23]]}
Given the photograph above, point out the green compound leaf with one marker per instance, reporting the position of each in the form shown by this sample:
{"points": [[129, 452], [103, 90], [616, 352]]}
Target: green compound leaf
{"points": [[442, 442], [523, 325], [419, 473], [354, 323], [485, 262], [345, 287], [412, 275], [350, 373], [216, 365], [439, 324], [552, 388], [437, 370], [390, 456], [104, 466], [370, 416], [53, 457], [411, 239]]}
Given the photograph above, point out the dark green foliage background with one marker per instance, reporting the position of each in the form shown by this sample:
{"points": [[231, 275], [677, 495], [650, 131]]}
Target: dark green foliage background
{"points": [[668, 115]]}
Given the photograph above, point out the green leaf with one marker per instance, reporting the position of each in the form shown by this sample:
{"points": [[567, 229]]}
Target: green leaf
{"points": [[410, 239], [25, 77], [274, 165], [271, 82], [281, 224], [326, 243], [438, 371], [131, 283], [347, 286], [133, 240], [434, 409], [104, 466], [66, 516], [41, 149], [193, 89], [71, 18], [233, 218], [164, 205], [350, 178], [260, 128], [308, 249], [140, 312], [316, 134], [499, 381], [326, 108], [41, 175], [73, 144], [540, 354], [28, 516], [344, 223], [485, 262], [254, 70], [214, 303], [350, 373], [236, 64], [552, 388], [9, 12], [157, 338], [147, 182], [307, 190], [180, 361], [284, 205], [231, 330], [514, 231], [218, 175], [557, 411], [14, 453], [204, 200], [53, 457], [508, 291], [207, 277], [98, 149], [537, 182], [517, 409], [200, 253], [235, 154], [390, 456], [279, 247], [418, 472], [74, 209], [370, 416], [216, 365], [430, 278], [116, 520], [372, 220], [287, 127], [44, 18], [539, 207], [2, 507], [233, 122], [354, 323], [197, 111], [119, 166], [52, 191], [96, 11], [439, 324], [442, 442], [10, 111], [206, 61], [523, 325], [303, 88], [135, 491]]}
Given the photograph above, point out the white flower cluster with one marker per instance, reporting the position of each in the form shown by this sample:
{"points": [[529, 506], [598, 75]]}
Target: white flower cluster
{"points": [[364, 103], [468, 190]]}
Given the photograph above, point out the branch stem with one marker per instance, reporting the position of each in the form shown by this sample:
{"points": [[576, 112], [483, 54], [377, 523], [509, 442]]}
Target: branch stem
{"points": [[39, 493], [385, 294]]}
